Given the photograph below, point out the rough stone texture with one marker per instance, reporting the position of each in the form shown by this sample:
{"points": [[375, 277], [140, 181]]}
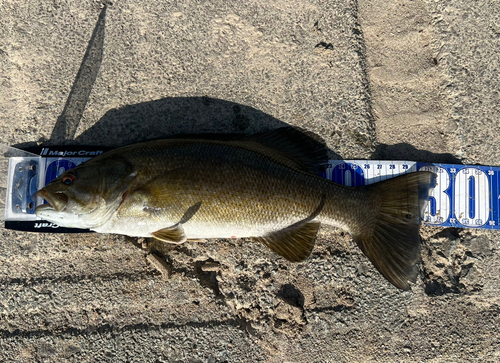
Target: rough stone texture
{"points": [[406, 79], [426, 71], [469, 36], [269, 56]]}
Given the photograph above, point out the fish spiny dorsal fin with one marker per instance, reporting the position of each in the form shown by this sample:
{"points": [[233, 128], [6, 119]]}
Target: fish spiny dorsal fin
{"points": [[290, 146], [390, 237], [294, 243], [302, 147]]}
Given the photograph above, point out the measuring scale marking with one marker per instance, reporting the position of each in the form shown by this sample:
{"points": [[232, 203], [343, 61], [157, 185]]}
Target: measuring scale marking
{"points": [[465, 196]]}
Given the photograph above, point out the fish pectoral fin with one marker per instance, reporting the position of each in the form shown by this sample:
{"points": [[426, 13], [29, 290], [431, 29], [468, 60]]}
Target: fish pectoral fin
{"points": [[173, 235], [295, 243]]}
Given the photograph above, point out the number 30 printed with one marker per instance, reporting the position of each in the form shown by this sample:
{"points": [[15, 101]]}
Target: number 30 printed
{"points": [[470, 202]]}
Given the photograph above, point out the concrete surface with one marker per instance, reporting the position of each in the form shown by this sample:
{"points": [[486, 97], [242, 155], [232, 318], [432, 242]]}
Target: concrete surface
{"points": [[382, 79]]}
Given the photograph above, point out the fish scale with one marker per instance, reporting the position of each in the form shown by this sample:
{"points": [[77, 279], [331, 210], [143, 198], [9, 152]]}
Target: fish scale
{"points": [[240, 197], [260, 187]]}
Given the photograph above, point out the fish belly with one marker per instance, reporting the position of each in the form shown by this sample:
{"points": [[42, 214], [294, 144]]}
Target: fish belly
{"points": [[136, 227]]}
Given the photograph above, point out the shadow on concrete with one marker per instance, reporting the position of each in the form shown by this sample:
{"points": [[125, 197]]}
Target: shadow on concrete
{"points": [[173, 116], [178, 115], [153, 119], [67, 123], [404, 151]]}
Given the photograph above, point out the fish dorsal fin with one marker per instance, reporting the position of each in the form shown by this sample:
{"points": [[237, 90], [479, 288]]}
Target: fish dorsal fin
{"points": [[301, 147], [294, 243], [289, 146], [174, 234]]}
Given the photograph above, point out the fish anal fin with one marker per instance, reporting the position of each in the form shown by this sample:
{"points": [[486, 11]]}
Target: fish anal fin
{"points": [[173, 235], [391, 237], [295, 243]]}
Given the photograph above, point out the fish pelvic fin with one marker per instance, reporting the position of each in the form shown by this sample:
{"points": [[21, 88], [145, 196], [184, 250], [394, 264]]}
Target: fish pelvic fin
{"points": [[390, 237], [174, 235], [295, 243]]}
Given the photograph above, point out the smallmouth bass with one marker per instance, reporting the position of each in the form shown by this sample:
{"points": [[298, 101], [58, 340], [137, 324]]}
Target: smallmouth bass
{"points": [[261, 187]]}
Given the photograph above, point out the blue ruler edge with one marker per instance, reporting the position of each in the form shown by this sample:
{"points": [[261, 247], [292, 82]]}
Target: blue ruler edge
{"points": [[465, 196]]}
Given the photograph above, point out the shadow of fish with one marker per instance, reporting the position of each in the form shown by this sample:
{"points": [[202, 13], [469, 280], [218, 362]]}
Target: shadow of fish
{"points": [[181, 189]]}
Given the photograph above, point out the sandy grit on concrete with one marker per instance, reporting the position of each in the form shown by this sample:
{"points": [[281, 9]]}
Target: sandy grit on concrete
{"points": [[402, 79]]}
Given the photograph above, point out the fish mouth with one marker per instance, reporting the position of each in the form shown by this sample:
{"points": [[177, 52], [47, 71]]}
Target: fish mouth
{"points": [[57, 201]]}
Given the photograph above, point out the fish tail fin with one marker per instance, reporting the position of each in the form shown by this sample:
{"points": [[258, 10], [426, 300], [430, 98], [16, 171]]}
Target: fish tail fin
{"points": [[390, 237]]}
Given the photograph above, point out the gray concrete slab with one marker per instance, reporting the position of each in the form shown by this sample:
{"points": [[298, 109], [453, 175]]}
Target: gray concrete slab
{"points": [[353, 76]]}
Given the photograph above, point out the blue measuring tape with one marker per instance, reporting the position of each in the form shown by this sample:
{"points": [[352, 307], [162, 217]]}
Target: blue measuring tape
{"points": [[465, 196]]}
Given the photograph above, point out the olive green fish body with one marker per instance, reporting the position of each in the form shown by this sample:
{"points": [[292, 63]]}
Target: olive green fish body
{"points": [[181, 189], [236, 192]]}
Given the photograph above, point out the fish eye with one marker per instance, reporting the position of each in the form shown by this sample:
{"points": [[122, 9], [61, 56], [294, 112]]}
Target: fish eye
{"points": [[68, 179]]}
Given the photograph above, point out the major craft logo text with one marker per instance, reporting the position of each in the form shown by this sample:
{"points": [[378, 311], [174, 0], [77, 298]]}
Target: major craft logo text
{"points": [[46, 225], [48, 152]]}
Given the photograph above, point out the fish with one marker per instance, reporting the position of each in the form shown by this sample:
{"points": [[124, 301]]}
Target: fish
{"points": [[264, 187]]}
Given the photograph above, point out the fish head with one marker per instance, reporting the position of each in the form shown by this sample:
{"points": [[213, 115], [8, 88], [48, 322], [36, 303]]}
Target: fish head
{"points": [[87, 195]]}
